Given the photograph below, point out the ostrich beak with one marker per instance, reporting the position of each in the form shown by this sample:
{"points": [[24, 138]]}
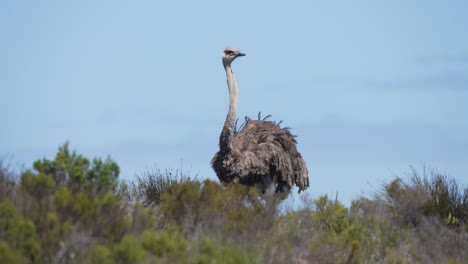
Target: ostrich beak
{"points": [[240, 54]]}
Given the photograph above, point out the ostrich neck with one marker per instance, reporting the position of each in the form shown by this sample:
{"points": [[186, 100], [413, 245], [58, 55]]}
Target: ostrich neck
{"points": [[228, 129]]}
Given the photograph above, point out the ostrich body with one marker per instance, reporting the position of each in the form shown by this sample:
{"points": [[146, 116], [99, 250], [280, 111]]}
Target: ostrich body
{"points": [[261, 153]]}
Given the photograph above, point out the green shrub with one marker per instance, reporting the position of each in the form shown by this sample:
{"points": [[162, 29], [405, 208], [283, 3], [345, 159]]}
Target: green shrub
{"points": [[55, 235], [74, 206], [8, 255], [98, 254], [78, 174], [39, 186], [111, 221], [69, 210], [19, 233], [330, 215], [232, 211], [129, 250], [212, 252], [167, 244]]}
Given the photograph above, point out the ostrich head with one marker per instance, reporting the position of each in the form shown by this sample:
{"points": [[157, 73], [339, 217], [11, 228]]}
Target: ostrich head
{"points": [[230, 54]]}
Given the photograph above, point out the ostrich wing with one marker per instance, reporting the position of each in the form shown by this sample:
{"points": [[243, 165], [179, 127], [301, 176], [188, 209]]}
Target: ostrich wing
{"points": [[263, 149]]}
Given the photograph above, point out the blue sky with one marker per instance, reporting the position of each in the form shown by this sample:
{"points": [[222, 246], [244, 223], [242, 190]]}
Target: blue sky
{"points": [[369, 87]]}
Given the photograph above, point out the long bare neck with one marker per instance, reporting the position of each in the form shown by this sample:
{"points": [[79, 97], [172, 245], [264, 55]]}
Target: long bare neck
{"points": [[228, 130]]}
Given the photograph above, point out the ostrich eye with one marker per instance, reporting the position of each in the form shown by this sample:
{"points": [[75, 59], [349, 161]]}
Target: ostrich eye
{"points": [[229, 52]]}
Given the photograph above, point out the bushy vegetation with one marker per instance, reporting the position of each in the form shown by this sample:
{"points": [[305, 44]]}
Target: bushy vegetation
{"points": [[75, 210], [148, 187]]}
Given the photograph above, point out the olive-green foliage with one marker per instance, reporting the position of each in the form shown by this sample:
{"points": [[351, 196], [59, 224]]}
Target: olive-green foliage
{"points": [[138, 218], [9, 255], [55, 198], [57, 233], [69, 210], [212, 252], [111, 221], [74, 206], [77, 173], [330, 220], [322, 232], [99, 254], [39, 186], [330, 216], [166, 245], [371, 232], [18, 233], [233, 211], [105, 215], [129, 250]]}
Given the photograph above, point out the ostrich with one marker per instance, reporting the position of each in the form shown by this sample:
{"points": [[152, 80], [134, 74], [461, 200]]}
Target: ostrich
{"points": [[260, 153]]}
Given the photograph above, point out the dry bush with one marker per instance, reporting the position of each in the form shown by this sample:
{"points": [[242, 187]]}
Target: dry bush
{"points": [[8, 179], [148, 187], [429, 194], [435, 242], [431, 211]]}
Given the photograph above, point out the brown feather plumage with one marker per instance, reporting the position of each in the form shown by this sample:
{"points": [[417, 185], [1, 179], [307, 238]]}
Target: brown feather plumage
{"points": [[260, 153]]}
